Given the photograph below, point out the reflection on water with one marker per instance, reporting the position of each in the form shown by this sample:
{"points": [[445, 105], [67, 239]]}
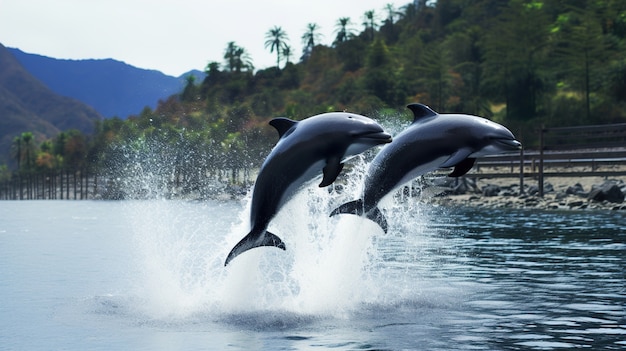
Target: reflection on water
{"points": [[547, 279]]}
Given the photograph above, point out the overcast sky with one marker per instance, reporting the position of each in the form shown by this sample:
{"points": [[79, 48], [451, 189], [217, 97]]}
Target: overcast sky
{"points": [[171, 36]]}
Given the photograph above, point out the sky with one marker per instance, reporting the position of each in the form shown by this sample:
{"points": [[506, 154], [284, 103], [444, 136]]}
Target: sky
{"points": [[171, 36]]}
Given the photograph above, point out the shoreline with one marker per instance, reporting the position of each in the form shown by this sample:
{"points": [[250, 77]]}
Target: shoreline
{"points": [[586, 193]]}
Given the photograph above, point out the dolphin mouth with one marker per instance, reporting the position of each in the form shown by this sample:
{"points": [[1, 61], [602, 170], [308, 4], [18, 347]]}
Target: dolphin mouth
{"points": [[509, 144], [381, 137]]}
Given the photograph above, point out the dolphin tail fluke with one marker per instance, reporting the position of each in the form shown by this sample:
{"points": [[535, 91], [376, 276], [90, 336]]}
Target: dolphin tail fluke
{"points": [[252, 240], [353, 207], [377, 216], [356, 207]]}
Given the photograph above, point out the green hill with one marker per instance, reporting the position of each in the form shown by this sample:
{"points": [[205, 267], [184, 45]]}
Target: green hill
{"points": [[523, 63]]}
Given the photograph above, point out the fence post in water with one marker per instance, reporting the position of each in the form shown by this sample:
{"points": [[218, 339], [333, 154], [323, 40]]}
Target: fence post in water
{"points": [[67, 184], [75, 185], [541, 146], [95, 184], [521, 171]]}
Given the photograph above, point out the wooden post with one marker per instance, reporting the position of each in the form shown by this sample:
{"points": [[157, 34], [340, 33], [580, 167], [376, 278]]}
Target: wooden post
{"points": [[95, 184], [521, 171], [541, 146], [61, 183], [67, 184]]}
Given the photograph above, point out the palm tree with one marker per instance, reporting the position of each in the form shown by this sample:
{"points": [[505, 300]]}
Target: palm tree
{"points": [[16, 151], [309, 38], [237, 58], [391, 13], [28, 149], [230, 55], [343, 30], [287, 53], [370, 25], [276, 39]]}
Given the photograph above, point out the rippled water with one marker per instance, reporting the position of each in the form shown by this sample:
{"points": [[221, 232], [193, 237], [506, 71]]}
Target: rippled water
{"points": [[149, 275]]}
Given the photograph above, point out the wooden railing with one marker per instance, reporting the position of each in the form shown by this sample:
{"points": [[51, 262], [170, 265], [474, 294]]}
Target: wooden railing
{"points": [[583, 151]]}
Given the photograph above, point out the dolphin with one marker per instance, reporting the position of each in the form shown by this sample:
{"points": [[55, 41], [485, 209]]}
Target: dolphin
{"points": [[432, 141], [316, 144]]}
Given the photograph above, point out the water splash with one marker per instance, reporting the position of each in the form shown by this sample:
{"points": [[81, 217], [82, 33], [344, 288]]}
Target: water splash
{"points": [[332, 266]]}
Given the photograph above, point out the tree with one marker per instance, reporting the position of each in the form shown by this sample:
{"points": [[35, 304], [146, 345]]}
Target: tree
{"points": [[370, 23], [581, 49], [515, 53], [237, 59], [276, 40], [16, 151], [309, 39], [388, 29], [379, 79], [343, 30], [190, 90], [287, 53], [28, 150], [435, 73]]}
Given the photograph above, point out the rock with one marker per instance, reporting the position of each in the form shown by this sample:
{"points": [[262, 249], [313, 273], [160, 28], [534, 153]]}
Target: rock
{"points": [[576, 203], [553, 205], [460, 189], [491, 190], [576, 189], [608, 191], [561, 195], [531, 201]]}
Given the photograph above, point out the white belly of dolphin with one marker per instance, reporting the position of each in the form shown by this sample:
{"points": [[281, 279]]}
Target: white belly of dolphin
{"points": [[420, 170], [312, 172]]}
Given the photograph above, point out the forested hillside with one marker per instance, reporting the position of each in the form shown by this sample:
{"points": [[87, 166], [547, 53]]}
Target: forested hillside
{"points": [[523, 63]]}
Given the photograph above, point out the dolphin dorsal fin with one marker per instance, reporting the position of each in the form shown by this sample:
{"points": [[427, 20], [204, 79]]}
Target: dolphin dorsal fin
{"points": [[420, 111], [282, 125]]}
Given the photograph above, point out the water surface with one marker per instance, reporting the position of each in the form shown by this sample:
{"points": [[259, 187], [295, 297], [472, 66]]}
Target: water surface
{"points": [[149, 275]]}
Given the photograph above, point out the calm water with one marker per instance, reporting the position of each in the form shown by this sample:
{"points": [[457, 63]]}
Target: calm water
{"points": [[149, 276]]}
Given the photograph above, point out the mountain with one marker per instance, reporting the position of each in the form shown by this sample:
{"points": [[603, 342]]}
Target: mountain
{"points": [[28, 105], [112, 87]]}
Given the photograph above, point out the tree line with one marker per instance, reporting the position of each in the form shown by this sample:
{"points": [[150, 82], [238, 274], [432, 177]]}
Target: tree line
{"points": [[523, 63]]}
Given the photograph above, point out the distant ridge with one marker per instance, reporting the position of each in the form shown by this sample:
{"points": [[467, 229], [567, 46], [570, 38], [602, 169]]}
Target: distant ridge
{"points": [[28, 105], [113, 88]]}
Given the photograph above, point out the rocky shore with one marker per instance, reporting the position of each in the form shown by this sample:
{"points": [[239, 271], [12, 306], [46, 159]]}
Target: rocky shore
{"points": [[587, 193]]}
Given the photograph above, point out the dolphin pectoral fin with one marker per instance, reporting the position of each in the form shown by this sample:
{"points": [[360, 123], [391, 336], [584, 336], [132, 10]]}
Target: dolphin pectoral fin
{"points": [[353, 207], [456, 158], [331, 172], [377, 216], [462, 167], [252, 240]]}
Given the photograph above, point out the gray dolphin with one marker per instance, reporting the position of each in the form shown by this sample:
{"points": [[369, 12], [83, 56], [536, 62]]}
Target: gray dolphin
{"points": [[432, 141], [319, 143]]}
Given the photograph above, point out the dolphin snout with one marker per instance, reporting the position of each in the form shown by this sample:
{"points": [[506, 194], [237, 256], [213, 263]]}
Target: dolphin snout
{"points": [[510, 144], [382, 137]]}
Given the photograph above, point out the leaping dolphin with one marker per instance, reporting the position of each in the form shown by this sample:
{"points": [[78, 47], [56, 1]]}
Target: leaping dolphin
{"points": [[319, 143], [432, 141]]}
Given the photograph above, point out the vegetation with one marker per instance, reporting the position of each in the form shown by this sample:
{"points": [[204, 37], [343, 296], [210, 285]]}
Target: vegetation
{"points": [[524, 63]]}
